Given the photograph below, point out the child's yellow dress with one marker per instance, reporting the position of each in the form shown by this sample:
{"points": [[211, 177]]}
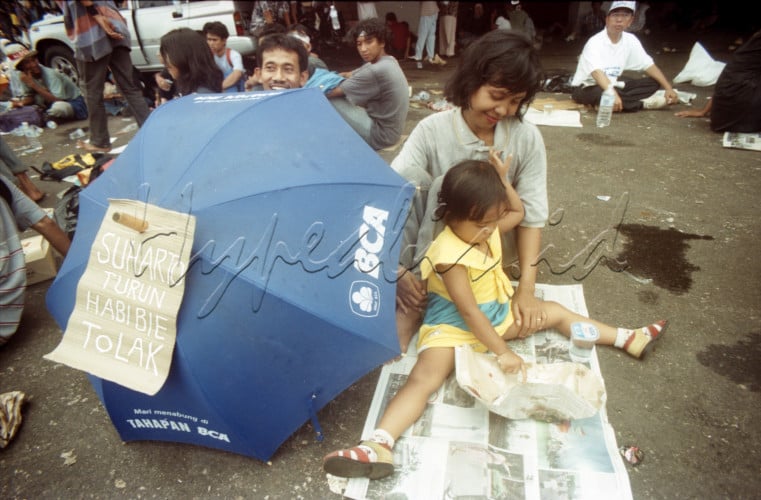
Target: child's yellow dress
{"points": [[443, 326]]}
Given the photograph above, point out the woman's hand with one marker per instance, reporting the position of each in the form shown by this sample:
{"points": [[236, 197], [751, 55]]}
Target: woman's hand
{"points": [[528, 313], [411, 293]]}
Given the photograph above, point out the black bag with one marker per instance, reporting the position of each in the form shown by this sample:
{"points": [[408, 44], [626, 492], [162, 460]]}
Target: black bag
{"points": [[66, 211]]}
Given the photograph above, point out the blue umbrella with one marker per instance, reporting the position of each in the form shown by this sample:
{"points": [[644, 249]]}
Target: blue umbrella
{"points": [[290, 294]]}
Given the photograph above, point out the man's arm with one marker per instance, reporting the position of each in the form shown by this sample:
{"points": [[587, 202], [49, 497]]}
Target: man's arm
{"points": [[656, 74], [54, 234], [232, 79], [37, 88]]}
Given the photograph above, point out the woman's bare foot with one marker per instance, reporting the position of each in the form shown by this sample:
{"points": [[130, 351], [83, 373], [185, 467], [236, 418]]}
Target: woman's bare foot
{"points": [[92, 147], [26, 185]]}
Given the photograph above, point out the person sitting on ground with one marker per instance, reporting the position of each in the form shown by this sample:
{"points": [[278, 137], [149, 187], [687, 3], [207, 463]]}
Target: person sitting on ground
{"points": [[189, 61], [18, 212], [299, 32], [607, 55], [520, 20], [282, 63], [228, 60], [469, 304], [164, 87], [12, 168], [374, 98], [253, 83], [736, 102], [53, 92], [495, 81]]}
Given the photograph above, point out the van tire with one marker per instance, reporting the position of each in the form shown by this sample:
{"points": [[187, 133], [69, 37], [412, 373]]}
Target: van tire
{"points": [[61, 58]]}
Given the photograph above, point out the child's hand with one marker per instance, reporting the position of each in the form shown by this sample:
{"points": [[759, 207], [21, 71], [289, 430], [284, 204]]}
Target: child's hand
{"points": [[510, 362], [501, 167]]}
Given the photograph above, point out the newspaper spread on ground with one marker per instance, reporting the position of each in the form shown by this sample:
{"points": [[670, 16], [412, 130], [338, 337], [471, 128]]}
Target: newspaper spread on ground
{"points": [[742, 141], [458, 449]]}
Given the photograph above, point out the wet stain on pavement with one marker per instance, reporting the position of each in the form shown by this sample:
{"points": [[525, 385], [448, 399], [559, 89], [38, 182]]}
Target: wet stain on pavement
{"points": [[603, 140], [658, 254], [648, 297], [738, 362]]}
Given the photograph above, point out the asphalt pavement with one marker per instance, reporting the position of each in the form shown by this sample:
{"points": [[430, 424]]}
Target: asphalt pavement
{"points": [[652, 215]]}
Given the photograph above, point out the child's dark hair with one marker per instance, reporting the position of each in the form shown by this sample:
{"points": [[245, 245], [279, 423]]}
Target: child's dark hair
{"points": [[371, 28], [469, 190], [502, 58], [216, 28], [285, 42]]}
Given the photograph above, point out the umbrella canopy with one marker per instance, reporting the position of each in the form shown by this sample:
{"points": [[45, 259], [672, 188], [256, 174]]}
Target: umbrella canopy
{"points": [[290, 293]]}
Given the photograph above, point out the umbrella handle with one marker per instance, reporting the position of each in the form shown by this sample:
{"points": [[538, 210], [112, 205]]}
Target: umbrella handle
{"points": [[313, 416]]}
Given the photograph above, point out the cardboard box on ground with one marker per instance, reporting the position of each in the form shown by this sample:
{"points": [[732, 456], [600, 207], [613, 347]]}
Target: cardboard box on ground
{"points": [[42, 260]]}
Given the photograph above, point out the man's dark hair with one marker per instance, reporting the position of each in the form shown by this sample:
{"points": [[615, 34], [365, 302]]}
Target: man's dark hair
{"points": [[216, 28], [285, 42], [371, 28], [503, 58]]}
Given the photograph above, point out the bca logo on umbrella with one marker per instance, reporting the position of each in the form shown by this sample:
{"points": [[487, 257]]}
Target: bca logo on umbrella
{"points": [[365, 295]]}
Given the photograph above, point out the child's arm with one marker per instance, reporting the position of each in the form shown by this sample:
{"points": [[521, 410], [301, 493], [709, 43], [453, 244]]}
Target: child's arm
{"points": [[457, 282], [516, 212]]}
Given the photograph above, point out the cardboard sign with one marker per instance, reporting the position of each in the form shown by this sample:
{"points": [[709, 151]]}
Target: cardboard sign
{"points": [[124, 323]]}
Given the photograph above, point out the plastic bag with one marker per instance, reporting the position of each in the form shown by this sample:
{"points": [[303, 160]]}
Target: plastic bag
{"points": [[701, 69]]}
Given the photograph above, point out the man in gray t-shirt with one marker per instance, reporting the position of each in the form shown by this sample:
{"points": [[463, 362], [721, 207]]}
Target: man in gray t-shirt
{"points": [[374, 98]]}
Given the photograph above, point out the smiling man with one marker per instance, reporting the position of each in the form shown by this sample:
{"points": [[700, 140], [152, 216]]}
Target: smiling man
{"points": [[608, 54], [282, 63], [374, 98]]}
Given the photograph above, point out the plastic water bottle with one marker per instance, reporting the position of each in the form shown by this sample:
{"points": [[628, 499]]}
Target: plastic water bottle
{"points": [[32, 137], [605, 110], [334, 18]]}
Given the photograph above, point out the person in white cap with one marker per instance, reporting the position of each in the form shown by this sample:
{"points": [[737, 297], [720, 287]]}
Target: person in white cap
{"points": [[36, 85], [608, 54]]}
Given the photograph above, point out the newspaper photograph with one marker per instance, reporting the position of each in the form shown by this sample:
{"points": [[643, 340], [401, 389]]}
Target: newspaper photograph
{"points": [[459, 449]]}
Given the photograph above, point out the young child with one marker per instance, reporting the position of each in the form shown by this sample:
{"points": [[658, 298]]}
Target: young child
{"points": [[468, 303]]}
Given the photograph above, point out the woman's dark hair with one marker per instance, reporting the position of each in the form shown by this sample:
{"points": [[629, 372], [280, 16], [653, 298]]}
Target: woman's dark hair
{"points": [[468, 191], [371, 28], [503, 58], [187, 50], [286, 43]]}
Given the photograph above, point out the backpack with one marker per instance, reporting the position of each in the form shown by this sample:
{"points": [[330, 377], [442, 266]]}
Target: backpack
{"points": [[73, 164], [241, 85]]}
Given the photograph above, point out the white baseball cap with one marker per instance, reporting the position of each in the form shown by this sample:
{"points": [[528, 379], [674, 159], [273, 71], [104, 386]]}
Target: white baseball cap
{"points": [[632, 6]]}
